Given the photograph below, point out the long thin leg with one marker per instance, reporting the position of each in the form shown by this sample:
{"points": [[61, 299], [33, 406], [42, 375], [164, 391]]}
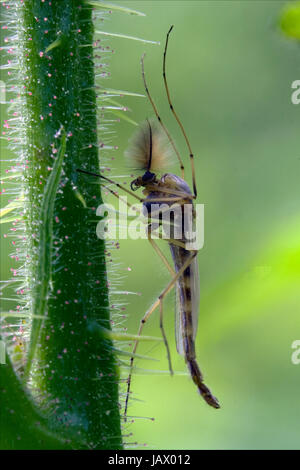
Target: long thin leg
{"points": [[154, 245], [164, 336], [160, 253], [97, 175], [180, 194], [147, 316], [179, 197], [159, 118], [175, 115], [152, 242], [171, 270], [120, 198], [195, 372], [156, 248]]}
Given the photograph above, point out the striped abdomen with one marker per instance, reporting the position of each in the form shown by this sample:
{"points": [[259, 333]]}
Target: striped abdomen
{"points": [[187, 292]]}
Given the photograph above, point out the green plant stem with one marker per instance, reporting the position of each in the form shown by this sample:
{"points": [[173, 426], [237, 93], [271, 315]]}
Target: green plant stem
{"points": [[69, 354], [22, 427]]}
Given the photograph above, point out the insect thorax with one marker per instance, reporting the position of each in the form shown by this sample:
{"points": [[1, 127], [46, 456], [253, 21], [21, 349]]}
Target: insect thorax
{"points": [[175, 216]]}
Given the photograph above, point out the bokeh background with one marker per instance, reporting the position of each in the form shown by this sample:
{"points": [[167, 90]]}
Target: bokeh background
{"points": [[230, 71]]}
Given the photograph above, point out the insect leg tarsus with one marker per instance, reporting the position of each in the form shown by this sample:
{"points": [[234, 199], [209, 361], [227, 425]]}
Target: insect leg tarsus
{"points": [[147, 316], [142, 323], [159, 252], [164, 336]]}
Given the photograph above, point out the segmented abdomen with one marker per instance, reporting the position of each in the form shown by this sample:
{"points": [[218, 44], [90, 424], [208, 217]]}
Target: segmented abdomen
{"points": [[187, 308]]}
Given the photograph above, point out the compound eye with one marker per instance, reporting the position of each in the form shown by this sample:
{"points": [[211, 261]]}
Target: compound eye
{"points": [[133, 185], [148, 176]]}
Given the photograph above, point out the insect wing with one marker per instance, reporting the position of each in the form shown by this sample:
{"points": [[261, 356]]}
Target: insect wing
{"points": [[195, 291], [178, 323], [195, 299]]}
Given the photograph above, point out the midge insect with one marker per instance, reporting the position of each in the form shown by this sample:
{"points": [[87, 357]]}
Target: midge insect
{"points": [[150, 150]]}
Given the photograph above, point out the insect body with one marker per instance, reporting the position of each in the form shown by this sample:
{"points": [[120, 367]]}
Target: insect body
{"points": [[165, 203], [166, 190]]}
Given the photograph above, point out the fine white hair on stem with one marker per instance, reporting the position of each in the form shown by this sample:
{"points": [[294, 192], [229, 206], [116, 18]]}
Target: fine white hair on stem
{"points": [[142, 154]]}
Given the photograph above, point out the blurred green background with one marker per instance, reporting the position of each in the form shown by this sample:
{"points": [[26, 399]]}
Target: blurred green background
{"points": [[230, 72]]}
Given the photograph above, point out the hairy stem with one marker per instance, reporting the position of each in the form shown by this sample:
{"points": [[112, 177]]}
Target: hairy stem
{"points": [[71, 367]]}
